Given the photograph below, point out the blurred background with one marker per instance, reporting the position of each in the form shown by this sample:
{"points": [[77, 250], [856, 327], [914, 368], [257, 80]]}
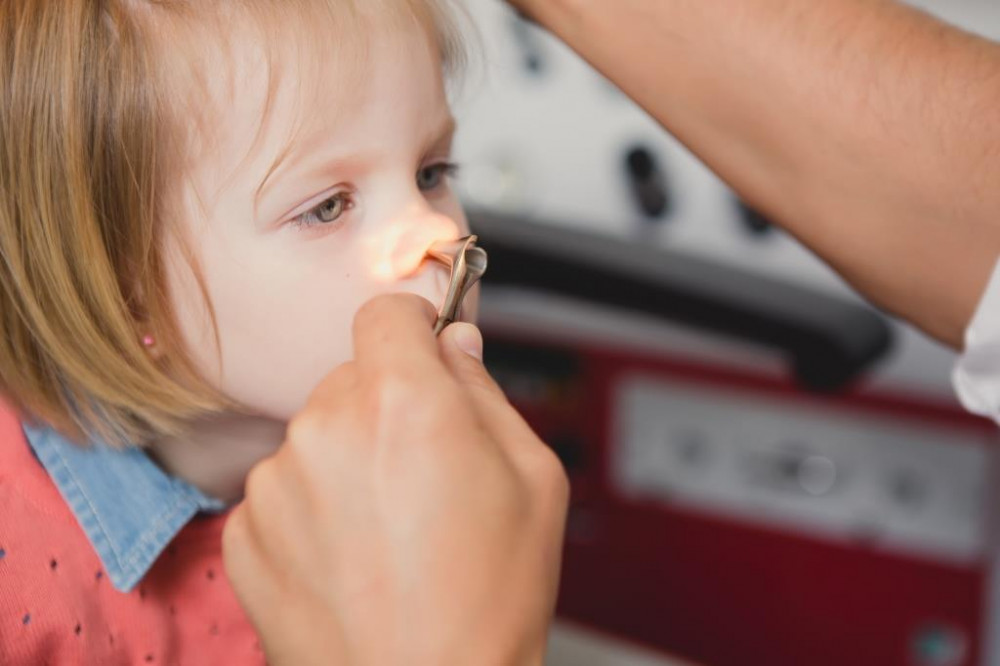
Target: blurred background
{"points": [[765, 470]]}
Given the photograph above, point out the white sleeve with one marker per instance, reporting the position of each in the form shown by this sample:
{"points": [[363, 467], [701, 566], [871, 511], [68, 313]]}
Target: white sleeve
{"points": [[977, 373]]}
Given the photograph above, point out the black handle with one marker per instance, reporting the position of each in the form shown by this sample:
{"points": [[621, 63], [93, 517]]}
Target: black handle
{"points": [[829, 341]]}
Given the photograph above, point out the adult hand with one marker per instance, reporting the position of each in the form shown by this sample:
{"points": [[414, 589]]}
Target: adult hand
{"points": [[410, 517]]}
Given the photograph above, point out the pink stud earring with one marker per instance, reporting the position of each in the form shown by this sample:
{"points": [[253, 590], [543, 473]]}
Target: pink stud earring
{"points": [[148, 341]]}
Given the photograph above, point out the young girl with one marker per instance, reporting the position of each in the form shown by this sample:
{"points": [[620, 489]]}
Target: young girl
{"points": [[195, 198]]}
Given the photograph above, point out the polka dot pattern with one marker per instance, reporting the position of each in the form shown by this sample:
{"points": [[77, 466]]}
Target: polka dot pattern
{"points": [[58, 607]]}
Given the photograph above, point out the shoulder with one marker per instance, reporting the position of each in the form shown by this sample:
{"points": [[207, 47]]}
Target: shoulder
{"points": [[45, 561], [22, 475], [39, 552], [36, 525]]}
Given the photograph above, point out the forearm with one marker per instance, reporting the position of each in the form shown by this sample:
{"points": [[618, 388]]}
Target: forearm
{"points": [[868, 130]]}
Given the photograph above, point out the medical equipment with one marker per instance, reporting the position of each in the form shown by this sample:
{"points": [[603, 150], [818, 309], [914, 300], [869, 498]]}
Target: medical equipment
{"points": [[721, 515], [468, 264], [741, 494], [828, 341]]}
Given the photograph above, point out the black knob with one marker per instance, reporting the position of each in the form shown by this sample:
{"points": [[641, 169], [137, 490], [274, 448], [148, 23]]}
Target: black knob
{"points": [[648, 182], [528, 39]]}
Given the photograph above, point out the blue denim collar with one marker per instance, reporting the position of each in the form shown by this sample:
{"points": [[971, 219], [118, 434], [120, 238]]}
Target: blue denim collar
{"points": [[128, 507]]}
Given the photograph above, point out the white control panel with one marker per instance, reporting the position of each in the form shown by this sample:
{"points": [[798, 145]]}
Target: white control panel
{"points": [[835, 473]]}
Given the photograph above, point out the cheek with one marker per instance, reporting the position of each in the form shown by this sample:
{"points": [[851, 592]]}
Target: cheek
{"points": [[293, 343], [280, 337], [193, 318], [282, 325], [284, 316]]}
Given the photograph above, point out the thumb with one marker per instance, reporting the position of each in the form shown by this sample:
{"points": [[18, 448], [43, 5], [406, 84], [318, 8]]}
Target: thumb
{"points": [[461, 347], [465, 338]]}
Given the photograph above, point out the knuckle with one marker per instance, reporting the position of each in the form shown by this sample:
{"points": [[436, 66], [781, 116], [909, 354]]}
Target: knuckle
{"points": [[549, 475], [398, 390], [237, 542], [334, 385], [234, 532], [476, 379], [262, 491], [376, 311], [401, 405], [303, 428], [417, 305], [258, 485], [384, 305], [370, 312]]}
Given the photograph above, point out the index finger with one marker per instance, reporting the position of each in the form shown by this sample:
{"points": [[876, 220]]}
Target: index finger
{"points": [[395, 333]]}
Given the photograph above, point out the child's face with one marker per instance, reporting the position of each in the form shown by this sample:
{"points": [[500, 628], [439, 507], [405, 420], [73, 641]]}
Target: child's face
{"points": [[346, 215]]}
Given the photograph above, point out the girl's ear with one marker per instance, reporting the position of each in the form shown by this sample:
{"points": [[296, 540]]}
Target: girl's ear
{"points": [[149, 342], [143, 326]]}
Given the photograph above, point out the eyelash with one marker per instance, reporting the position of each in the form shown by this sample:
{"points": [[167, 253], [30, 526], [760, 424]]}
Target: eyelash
{"points": [[448, 170], [310, 219]]}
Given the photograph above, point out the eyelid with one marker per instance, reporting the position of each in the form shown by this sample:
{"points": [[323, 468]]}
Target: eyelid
{"points": [[448, 168], [441, 152], [345, 197], [446, 163], [443, 160], [315, 201]]}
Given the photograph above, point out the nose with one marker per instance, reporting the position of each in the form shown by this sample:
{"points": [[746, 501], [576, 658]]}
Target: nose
{"points": [[399, 250]]}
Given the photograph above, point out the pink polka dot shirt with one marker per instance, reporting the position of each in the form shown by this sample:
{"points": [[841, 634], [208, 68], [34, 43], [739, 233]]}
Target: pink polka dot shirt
{"points": [[106, 560]]}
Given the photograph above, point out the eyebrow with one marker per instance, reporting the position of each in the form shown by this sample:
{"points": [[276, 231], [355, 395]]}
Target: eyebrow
{"points": [[446, 129]]}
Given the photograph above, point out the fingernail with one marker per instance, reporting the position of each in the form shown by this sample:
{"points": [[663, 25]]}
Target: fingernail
{"points": [[469, 340]]}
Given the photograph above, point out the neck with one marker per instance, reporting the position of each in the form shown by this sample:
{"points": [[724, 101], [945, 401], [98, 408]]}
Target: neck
{"points": [[217, 453]]}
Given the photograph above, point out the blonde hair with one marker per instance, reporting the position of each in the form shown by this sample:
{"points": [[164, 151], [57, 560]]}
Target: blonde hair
{"points": [[87, 119]]}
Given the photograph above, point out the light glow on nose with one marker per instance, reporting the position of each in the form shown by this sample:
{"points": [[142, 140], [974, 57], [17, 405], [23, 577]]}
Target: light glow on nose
{"points": [[398, 250]]}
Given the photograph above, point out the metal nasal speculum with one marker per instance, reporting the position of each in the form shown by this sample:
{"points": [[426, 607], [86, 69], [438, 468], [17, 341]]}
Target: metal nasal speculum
{"points": [[467, 263]]}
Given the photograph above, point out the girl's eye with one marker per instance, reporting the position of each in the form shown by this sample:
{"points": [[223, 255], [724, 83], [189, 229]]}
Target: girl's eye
{"points": [[432, 177], [326, 213]]}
